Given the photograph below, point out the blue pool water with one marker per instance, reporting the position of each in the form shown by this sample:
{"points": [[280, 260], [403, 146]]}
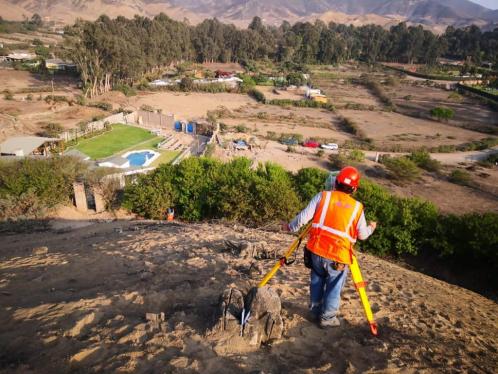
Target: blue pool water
{"points": [[139, 158]]}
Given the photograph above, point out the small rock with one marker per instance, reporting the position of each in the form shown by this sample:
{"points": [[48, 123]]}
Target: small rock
{"points": [[155, 317], [37, 251]]}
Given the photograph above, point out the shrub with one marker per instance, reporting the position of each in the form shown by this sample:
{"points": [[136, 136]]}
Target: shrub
{"points": [[296, 79], [151, 195], [442, 113], [7, 95], [56, 99], [257, 95], [462, 177], [147, 108], [346, 157], [308, 182], [402, 169], [101, 105], [423, 160], [125, 89], [29, 97], [51, 130], [320, 153], [242, 128], [31, 187], [186, 84]]}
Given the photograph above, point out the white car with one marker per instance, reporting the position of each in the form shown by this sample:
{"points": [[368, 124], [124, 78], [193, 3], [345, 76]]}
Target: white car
{"points": [[331, 146]]}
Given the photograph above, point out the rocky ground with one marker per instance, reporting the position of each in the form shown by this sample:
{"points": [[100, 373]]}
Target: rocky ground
{"points": [[144, 297]]}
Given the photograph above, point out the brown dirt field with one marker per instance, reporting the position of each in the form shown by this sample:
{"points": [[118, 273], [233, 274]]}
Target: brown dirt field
{"points": [[271, 151], [17, 80], [309, 122], [28, 117], [190, 105], [389, 129], [469, 112], [82, 307], [27, 38], [448, 197], [229, 67], [282, 94], [341, 94]]}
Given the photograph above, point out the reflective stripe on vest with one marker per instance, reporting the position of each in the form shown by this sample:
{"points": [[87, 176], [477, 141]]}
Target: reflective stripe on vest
{"points": [[342, 234]]}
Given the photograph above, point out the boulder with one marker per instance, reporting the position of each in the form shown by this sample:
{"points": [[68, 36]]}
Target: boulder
{"points": [[264, 323]]}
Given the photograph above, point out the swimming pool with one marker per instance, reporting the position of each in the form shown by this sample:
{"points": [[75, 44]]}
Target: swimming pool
{"points": [[141, 158]]}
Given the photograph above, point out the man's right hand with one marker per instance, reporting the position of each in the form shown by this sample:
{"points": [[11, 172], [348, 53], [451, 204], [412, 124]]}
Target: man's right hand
{"points": [[373, 225]]}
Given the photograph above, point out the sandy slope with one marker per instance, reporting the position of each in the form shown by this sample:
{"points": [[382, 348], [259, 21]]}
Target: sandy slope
{"points": [[82, 307]]}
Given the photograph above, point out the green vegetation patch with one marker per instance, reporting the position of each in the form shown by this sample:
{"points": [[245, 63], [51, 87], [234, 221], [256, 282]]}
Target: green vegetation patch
{"points": [[118, 139]]}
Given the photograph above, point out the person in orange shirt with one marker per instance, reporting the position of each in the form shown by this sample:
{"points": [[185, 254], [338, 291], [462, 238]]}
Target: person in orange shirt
{"points": [[338, 221]]}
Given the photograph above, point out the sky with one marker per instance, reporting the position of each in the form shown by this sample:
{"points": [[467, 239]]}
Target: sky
{"points": [[491, 4]]}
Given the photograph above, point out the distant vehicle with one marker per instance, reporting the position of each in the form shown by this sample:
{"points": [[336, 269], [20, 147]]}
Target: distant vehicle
{"points": [[241, 145], [289, 141], [311, 144], [331, 146]]}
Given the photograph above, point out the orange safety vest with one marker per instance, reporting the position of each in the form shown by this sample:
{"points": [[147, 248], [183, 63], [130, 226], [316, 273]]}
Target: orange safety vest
{"points": [[333, 230]]}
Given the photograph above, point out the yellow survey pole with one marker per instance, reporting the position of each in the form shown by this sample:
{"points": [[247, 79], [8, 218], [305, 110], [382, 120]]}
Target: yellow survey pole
{"points": [[360, 286], [282, 261]]}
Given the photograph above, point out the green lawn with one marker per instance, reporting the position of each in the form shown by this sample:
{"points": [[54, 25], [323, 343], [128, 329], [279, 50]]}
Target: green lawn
{"points": [[165, 158], [118, 139]]}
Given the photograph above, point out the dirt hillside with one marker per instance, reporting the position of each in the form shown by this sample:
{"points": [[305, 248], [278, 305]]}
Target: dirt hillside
{"points": [[76, 300]]}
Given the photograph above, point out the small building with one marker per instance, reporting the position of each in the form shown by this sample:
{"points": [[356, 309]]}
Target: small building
{"points": [[161, 83], [20, 56], [24, 146], [58, 64], [319, 98], [224, 74]]}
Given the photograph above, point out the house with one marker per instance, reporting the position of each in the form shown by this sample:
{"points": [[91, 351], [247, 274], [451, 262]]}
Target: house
{"points": [[58, 64], [161, 83], [20, 56], [223, 74], [312, 91], [23, 146]]}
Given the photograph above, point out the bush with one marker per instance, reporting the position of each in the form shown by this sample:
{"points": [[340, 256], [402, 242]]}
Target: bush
{"points": [[31, 187], [186, 84], [442, 113], [147, 108], [7, 95], [462, 177], [51, 130], [101, 105], [242, 128], [29, 97], [402, 169], [125, 89], [423, 160], [257, 95], [296, 79], [346, 157], [308, 182], [201, 188]]}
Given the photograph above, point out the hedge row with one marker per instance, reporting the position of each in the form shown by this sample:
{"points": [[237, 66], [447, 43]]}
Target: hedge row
{"points": [[205, 189]]}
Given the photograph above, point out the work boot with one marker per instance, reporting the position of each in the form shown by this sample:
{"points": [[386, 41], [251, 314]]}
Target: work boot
{"points": [[332, 322]]}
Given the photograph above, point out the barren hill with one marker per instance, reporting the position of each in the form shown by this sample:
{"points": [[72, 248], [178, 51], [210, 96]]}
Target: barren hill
{"points": [[81, 304], [432, 13]]}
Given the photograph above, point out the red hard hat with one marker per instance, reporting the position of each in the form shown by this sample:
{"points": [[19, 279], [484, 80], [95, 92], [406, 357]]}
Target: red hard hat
{"points": [[349, 176]]}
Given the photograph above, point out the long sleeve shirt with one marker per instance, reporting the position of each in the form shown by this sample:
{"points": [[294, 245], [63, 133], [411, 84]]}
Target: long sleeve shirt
{"points": [[364, 231]]}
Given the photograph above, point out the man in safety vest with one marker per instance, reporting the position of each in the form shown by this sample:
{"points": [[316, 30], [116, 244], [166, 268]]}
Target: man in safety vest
{"points": [[338, 220]]}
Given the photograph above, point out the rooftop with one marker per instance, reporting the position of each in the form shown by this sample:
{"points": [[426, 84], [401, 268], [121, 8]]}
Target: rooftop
{"points": [[23, 145]]}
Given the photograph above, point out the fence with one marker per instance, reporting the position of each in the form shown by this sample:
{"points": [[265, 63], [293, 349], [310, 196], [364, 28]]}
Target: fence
{"points": [[98, 125]]}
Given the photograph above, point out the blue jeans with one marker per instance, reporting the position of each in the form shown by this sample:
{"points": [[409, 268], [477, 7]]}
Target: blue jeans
{"points": [[325, 287]]}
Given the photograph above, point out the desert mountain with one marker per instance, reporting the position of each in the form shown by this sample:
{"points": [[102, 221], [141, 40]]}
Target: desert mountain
{"points": [[431, 13]]}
